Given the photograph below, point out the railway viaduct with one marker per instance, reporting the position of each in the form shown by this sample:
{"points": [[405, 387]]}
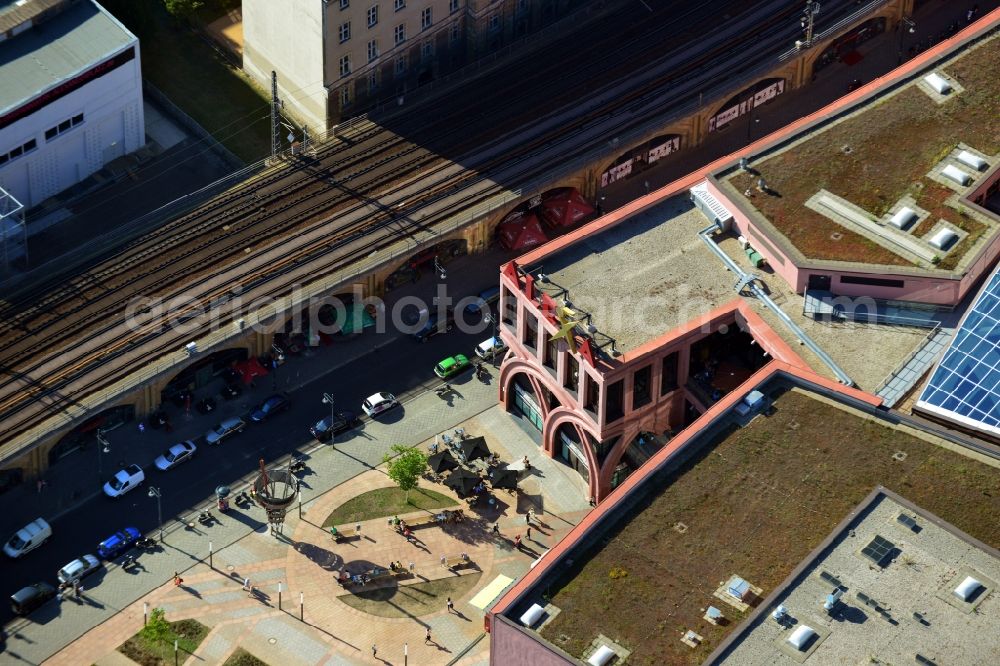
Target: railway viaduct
{"points": [[138, 394]]}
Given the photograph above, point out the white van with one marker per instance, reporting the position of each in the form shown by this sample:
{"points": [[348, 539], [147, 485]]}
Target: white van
{"points": [[488, 349], [28, 538]]}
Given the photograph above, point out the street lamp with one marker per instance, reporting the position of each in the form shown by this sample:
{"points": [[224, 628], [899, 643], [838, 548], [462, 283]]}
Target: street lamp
{"points": [[155, 492], [906, 25], [808, 22], [328, 400], [442, 273], [105, 448], [490, 319]]}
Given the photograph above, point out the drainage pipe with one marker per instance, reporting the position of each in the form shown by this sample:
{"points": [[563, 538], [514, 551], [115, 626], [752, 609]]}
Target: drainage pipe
{"points": [[706, 235]]}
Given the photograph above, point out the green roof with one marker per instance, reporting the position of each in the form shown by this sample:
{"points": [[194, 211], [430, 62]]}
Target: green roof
{"points": [[61, 47]]}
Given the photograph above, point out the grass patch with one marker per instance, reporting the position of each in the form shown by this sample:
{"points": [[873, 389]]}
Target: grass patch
{"points": [[386, 502], [411, 600], [893, 144], [189, 635], [749, 511], [195, 77], [243, 658]]}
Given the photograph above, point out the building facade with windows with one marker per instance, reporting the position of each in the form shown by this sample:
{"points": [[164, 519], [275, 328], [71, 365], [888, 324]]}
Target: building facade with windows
{"points": [[71, 98], [336, 58]]}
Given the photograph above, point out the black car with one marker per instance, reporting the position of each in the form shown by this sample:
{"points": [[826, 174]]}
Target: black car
{"points": [[274, 404], [29, 598], [435, 324], [333, 425]]}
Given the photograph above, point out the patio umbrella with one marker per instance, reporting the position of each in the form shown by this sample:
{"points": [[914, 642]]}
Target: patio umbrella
{"points": [[474, 448], [462, 481], [222, 492], [504, 478], [442, 462]]}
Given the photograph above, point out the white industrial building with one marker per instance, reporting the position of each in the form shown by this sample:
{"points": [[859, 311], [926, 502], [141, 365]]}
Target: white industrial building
{"points": [[70, 98]]}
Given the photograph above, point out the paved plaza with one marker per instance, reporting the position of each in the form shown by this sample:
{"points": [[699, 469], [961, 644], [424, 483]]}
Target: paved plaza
{"points": [[306, 560]]}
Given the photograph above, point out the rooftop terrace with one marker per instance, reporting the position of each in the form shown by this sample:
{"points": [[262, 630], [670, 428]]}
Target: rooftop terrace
{"points": [[841, 183], [644, 276], [753, 502], [890, 613]]}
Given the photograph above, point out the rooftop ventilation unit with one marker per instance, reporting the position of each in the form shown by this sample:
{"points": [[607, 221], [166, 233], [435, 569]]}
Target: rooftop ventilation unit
{"points": [[710, 206], [943, 239], [191, 348], [974, 161], [601, 656], [833, 598], [801, 638], [938, 83], [967, 589], [903, 218], [954, 173], [532, 616], [779, 614]]}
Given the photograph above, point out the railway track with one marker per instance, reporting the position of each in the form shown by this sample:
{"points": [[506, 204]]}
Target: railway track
{"points": [[337, 210]]}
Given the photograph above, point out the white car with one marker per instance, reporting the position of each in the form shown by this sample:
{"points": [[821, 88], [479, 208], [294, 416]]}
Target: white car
{"points": [[124, 480], [78, 568], [488, 349], [175, 455], [378, 403], [225, 429]]}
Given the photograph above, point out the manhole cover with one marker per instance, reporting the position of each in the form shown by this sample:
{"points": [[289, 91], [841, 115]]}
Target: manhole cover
{"points": [[272, 641]]}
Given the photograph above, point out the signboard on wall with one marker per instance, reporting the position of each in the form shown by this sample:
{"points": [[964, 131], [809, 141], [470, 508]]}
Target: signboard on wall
{"points": [[671, 145], [616, 172], [762, 96]]}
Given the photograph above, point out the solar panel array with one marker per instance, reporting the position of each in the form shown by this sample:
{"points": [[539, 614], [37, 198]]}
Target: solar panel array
{"points": [[967, 380]]}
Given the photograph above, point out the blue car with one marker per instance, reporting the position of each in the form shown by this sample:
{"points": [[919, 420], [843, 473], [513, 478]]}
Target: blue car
{"points": [[118, 543], [276, 403]]}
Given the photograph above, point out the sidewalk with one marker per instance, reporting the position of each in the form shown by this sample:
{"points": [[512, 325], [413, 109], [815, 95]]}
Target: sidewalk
{"points": [[880, 55], [306, 561]]}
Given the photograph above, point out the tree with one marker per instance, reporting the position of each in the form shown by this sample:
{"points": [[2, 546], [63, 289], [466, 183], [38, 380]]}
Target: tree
{"points": [[181, 8], [157, 629], [405, 467]]}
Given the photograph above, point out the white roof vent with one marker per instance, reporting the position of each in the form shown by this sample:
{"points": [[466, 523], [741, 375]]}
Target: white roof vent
{"points": [[974, 161], [601, 656], [967, 589], [800, 637], [532, 615], [943, 238], [903, 218], [938, 83], [956, 174]]}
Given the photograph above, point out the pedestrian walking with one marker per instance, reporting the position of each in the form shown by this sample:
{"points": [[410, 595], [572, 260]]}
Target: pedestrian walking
{"points": [[517, 541], [527, 534], [451, 605], [427, 636], [252, 593], [76, 589], [412, 567], [246, 584], [177, 579], [496, 529], [530, 516], [374, 651]]}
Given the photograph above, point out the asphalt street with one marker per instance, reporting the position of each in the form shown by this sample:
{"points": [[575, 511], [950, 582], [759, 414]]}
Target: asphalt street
{"points": [[402, 366]]}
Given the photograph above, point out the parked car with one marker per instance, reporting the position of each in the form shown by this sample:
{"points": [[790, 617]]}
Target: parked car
{"points": [[378, 403], [435, 324], [333, 425], [490, 348], [118, 543], [483, 301], [451, 366], [124, 480], [175, 455], [224, 430], [79, 568], [28, 538], [31, 597], [276, 403]]}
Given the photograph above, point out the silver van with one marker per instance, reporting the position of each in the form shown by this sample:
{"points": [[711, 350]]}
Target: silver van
{"points": [[29, 537]]}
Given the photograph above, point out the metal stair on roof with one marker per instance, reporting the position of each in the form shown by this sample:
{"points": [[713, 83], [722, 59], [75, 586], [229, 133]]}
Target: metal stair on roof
{"points": [[909, 373]]}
